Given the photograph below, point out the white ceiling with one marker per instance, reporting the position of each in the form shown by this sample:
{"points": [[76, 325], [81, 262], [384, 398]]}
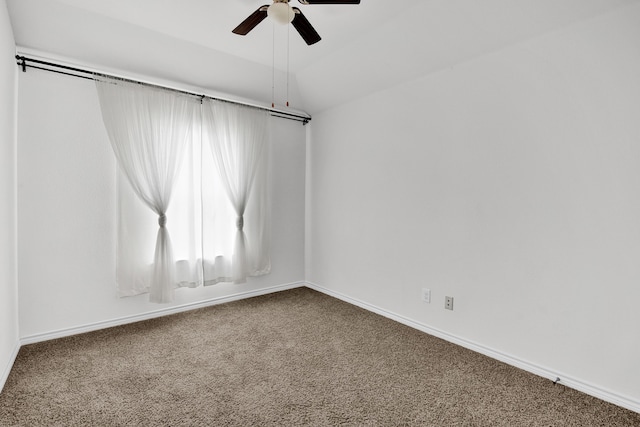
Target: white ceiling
{"points": [[364, 48]]}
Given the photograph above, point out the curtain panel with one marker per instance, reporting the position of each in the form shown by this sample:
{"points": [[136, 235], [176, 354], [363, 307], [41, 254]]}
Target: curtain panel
{"points": [[200, 168], [237, 136]]}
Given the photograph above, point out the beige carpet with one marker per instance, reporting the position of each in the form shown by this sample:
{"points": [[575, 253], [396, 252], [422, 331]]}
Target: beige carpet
{"points": [[293, 358]]}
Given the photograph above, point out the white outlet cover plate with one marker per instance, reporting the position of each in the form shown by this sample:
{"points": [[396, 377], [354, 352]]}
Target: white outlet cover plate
{"points": [[448, 303]]}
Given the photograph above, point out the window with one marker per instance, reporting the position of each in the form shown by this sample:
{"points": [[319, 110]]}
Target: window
{"points": [[192, 201]]}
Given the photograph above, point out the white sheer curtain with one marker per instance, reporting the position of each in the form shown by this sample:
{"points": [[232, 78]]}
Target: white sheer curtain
{"points": [[149, 130], [238, 137]]}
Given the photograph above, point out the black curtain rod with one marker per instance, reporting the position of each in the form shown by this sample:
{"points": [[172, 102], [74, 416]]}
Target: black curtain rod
{"points": [[25, 62]]}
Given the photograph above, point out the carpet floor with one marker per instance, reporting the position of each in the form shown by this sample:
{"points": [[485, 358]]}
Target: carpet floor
{"points": [[291, 358]]}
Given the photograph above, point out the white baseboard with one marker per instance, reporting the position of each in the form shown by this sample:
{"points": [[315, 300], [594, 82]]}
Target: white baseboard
{"points": [[567, 381], [156, 313], [7, 368]]}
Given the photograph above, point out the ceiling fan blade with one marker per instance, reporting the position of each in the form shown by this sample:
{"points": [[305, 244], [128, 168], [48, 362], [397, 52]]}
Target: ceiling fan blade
{"points": [[252, 21], [303, 26], [329, 1]]}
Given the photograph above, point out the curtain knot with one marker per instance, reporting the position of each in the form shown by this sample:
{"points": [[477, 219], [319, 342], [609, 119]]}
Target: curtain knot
{"points": [[162, 220], [240, 222]]}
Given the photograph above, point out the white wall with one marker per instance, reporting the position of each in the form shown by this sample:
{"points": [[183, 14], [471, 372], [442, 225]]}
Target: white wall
{"points": [[510, 182], [67, 206], [8, 271]]}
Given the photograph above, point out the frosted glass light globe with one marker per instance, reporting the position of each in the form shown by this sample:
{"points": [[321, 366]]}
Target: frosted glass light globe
{"points": [[282, 13]]}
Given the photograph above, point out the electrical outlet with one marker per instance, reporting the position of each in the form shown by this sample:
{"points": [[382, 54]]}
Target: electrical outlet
{"points": [[448, 303], [426, 295]]}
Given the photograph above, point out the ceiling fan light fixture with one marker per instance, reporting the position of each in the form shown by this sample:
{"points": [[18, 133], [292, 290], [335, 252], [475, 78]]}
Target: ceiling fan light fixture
{"points": [[281, 12]]}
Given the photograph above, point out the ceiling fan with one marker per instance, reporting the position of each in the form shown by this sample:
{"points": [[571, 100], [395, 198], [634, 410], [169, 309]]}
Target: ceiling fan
{"points": [[281, 12]]}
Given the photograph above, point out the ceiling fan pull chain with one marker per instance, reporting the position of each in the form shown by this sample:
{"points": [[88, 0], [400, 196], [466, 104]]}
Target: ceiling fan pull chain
{"points": [[288, 32], [273, 66]]}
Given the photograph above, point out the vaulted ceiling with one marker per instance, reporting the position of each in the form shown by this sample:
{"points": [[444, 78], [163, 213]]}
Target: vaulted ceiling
{"points": [[364, 48]]}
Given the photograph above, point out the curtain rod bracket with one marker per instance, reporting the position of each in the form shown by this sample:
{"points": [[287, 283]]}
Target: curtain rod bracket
{"points": [[22, 62]]}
